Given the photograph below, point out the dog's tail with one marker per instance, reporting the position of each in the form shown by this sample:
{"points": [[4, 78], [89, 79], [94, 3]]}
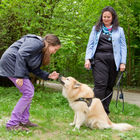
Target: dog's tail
{"points": [[121, 126]]}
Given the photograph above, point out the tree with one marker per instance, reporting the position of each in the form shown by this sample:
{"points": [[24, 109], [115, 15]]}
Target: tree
{"points": [[71, 21]]}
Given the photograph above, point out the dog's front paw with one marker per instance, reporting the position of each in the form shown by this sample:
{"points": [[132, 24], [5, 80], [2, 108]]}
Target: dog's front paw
{"points": [[72, 124], [75, 129]]}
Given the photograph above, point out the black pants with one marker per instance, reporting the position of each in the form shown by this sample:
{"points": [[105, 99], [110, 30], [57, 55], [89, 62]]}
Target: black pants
{"points": [[104, 74]]}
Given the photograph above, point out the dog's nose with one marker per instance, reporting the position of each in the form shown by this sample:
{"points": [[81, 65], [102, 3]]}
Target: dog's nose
{"points": [[59, 78]]}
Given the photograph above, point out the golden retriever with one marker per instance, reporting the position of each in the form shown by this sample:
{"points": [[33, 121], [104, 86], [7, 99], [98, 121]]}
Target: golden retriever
{"points": [[88, 110]]}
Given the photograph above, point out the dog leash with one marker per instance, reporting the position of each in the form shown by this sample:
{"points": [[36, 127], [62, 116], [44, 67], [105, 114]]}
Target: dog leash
{"points": [[107, 96], [119, 89]]}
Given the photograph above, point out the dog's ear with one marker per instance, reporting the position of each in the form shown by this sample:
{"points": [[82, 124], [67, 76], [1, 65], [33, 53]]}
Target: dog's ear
{"points": [[77, 85]]}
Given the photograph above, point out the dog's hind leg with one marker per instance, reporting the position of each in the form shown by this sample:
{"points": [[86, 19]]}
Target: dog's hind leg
{"points": [[74, 121], [80, 119]]}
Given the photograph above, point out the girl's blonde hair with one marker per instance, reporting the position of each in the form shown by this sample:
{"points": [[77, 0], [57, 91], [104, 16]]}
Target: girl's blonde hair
{"points": [[52, 40]]}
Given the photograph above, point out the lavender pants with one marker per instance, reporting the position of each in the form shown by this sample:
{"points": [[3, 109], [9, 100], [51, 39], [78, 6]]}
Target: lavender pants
{"points": [[21, 114]]}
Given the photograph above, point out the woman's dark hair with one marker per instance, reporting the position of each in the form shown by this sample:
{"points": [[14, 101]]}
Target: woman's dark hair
{"points": [[115, 22], [52, 40]]}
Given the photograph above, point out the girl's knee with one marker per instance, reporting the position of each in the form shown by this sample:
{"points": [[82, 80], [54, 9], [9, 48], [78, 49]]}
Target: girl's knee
{"points": [[29, 93]]}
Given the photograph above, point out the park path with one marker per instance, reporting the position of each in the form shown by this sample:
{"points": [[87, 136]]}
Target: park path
{"points": [[129, 97]]}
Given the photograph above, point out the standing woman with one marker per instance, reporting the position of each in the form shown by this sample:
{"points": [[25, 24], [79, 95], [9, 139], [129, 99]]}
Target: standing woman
{"points": [[22, 57], [106, 54]]}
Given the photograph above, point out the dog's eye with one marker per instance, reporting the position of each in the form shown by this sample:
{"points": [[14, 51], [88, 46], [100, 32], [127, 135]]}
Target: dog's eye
{"points": [[67, 78]]}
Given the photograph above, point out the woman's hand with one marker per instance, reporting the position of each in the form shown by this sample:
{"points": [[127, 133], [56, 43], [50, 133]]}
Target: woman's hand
{"points": [[54, 75], [19, 82], [87, 64], [122, 67]]}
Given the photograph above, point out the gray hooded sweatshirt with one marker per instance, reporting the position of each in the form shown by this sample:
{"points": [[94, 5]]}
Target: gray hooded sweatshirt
{"points": [[22, 57]]}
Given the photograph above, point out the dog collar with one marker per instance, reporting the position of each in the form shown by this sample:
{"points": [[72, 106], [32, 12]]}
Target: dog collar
{"points": [[87, 100]]}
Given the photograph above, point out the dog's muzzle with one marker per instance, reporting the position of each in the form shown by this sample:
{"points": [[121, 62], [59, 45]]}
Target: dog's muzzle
{"points": [[60, 79]]}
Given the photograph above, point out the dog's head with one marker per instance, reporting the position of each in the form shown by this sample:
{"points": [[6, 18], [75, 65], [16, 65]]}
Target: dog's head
{"points": [[73, 89], [69, 82]]}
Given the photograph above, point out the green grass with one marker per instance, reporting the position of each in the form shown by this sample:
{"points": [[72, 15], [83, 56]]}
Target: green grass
{"points": [[50, 110]]}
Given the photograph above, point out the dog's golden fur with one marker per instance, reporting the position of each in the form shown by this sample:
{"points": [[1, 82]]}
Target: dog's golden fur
{"points": [[93, 116]]}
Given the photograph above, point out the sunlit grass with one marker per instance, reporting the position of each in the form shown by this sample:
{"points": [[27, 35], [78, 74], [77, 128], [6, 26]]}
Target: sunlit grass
{"points": [[50, 110]]}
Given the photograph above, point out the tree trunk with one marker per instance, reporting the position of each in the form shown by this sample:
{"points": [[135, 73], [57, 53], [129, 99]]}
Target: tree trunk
{"points": [[129, 58]]}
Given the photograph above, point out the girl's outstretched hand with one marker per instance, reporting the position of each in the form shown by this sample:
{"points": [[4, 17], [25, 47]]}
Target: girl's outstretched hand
{"points": [[54, 75]]}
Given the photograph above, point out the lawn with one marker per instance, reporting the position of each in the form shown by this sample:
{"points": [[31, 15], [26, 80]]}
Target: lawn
{"points": [[50, 110]]}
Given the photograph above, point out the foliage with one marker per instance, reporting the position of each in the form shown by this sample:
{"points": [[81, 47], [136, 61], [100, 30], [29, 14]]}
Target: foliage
{"points": [[50, 110], [72, 21]]}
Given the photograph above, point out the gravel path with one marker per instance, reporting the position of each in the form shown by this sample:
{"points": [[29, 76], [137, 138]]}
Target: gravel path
{"points": [[130, 97]]}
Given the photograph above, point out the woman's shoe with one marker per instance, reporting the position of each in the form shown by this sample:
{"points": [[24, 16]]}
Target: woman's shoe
{"points": [[17, 128], [29, 124]]}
